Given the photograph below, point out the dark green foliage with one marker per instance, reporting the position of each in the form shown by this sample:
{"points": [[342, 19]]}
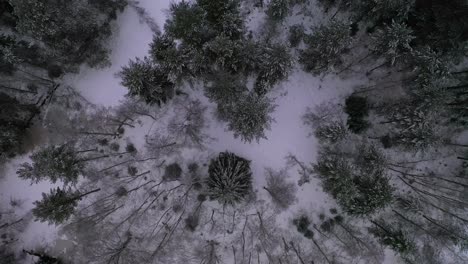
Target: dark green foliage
{"points": [[173, 172], [147, 81], [275, 64], [324, 47], [53, 163], [359, 185], [393, 41], [393, 237], [229, 178], [73, 32], [331, 132], [56, 206], [14, 121], [225, 88], [302, 226], [249, 117], [296, 34], [277, 10], [357, 109]]}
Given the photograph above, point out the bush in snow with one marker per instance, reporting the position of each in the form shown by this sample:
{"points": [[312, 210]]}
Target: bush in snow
{"points": [[229, 178], [173, 172], [324, 47], [331, 132], [302, 225], [274, 66]]}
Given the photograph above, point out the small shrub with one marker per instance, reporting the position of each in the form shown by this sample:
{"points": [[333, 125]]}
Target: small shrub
{"points": [[114, 146], [193, 168], [54, 71], [191, 222], [173, 172], [103, 141], [121, 191], [132, 171], [302, 225], [130, 148]]}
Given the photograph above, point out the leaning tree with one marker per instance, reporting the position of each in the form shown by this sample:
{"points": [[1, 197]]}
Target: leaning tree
{"points": [[58, 205]]}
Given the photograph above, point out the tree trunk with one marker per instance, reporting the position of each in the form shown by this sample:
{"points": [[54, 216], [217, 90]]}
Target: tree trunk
{"points": [[85, 194], [94, 158]]}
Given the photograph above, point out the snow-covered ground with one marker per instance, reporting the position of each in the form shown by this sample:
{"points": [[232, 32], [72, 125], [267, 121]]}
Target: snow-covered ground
{"points": [[288, 135]]}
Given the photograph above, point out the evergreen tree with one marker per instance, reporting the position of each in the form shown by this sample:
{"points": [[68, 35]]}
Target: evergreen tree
{"points": [[58, 205], [359, 185], [277, 10], [249, 117], [274, 67], [147, 81], [224, 88], [229, 178], [15, 119], [393, 41], [324, 47], [53, 163], [392, 237], [296, 35], [332, 132], [72, 31]]}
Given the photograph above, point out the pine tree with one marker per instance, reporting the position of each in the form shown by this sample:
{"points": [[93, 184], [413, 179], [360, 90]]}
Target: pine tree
{"points": [[229, 178], [53, 163], [324, 47], [393, 41], [147, 81], [72, 31], [14, 121], [332, 132], [359, 184], [274, 67], [249, 117], [392, 237], [57, 206], [277, 10]]}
